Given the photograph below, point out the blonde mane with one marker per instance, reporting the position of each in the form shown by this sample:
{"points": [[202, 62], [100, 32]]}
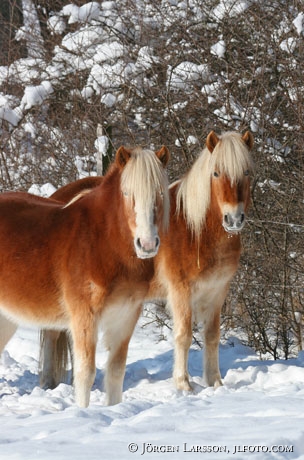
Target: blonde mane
{"points": [[77, 197], [142, 177], [230, 157]]}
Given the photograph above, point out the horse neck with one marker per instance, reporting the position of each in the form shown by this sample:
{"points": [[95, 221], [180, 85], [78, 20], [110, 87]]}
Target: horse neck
{"points": [[108, 204], [108, 200]]}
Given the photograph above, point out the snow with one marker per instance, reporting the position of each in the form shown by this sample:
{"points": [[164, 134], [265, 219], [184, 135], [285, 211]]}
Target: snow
{"points": [[298, 22], [78, 43], [192, 140], [288, 45], [146, 58], [108, 99], [219, 49], [9, 115], [229, 7], [56, 24], [102, 144], [30, 32], [185, 73], [84, 13], [25, 70], [96, 48], [108, 51], [35, 95], [45, 190], [259, 407], [106, 76]]}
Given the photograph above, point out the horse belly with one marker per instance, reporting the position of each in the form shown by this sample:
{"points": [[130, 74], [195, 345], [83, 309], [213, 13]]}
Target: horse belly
{"points": [[121, 306], [31, 300], [40, 314]]}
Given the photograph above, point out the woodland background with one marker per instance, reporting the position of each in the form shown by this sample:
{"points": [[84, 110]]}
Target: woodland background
{"points": [[82, 78]]}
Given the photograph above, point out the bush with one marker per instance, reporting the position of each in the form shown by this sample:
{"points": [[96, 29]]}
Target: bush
{"points": [[167, 72]]}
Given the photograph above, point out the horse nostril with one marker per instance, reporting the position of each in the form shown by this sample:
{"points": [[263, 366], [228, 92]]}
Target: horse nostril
{"points": [[147, 245], [226, 219], [242, 217]]}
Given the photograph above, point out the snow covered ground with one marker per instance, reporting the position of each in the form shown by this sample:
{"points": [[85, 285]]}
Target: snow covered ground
{"points": [[257, 414]]}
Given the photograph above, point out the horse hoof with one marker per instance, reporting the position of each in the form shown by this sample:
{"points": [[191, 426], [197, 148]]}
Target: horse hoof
{"points": [[183, 385], [48, 384], [217, 384]]}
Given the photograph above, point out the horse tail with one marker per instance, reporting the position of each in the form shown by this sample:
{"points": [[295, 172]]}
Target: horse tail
{"points": [[63, 353], [55, 354]]}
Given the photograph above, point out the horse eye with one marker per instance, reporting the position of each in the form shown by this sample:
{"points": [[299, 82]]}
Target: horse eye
{"points": [[216, 174], [246, 173], [125, 193]]}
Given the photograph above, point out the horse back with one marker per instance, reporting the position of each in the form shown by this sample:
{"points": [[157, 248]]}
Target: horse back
{"points": [[67, 192]]}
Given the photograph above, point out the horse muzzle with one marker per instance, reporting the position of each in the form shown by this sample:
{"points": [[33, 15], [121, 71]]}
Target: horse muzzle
{"points": [[146, 248], [234, 223]]}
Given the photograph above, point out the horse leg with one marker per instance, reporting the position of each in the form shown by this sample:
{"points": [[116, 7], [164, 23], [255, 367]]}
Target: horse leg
{"points": [[212, 374], [7, 330], [179, 301], [84, 334], [54, 347], [208, 311], [118, 325]]}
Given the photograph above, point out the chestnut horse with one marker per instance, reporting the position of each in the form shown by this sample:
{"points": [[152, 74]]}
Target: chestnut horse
{"points": [[89, 262], [199, 254]]}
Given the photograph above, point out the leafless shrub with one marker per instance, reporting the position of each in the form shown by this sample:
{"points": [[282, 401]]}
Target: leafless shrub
{"points": [[167, 80]]}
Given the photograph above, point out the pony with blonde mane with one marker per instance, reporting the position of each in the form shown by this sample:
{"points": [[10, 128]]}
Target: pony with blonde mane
{"points": [[200, 253], [89, 262]]}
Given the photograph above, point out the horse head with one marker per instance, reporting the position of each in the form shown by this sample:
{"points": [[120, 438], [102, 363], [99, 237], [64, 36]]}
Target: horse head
{"points": [[231, 166], [145, 195]]}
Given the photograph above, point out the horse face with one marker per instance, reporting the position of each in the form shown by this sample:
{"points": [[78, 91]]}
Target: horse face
{"points": [[231, 193], [146, 201], [232, 199], [143, 224]]}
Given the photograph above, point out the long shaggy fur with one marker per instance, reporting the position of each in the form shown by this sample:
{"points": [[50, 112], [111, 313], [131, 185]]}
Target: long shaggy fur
{"points": [[230, 157], [70, 267], [194, 276], [60, 359], [141, 188]]}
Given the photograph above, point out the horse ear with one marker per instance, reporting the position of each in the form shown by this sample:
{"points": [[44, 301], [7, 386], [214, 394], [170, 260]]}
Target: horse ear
{"points": [[212, 140], [163, 155], [248, 139], [122, 156]]}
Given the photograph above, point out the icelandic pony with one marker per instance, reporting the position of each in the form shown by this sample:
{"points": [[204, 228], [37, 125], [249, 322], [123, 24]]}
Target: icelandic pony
{"points": [[89, 262], [200, 253]]}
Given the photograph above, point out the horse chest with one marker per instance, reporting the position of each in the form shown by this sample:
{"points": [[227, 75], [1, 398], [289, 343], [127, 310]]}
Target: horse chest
{"points": [[209, 289], [203, 263]]}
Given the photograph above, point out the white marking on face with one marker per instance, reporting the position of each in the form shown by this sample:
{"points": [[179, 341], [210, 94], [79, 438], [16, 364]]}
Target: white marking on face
{"points": [[146, 239], [233, 217]]}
